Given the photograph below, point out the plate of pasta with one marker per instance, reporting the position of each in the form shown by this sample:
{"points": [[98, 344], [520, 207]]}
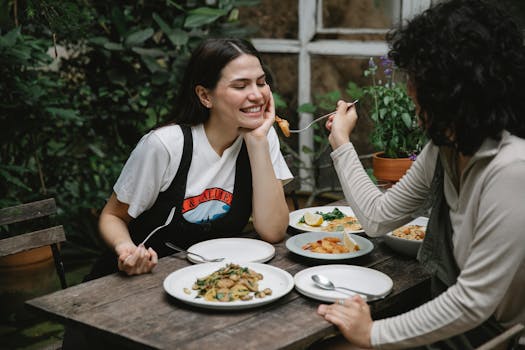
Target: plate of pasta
{"points": [[228, 286], [325, 219], [408, 238], [329, 245]]}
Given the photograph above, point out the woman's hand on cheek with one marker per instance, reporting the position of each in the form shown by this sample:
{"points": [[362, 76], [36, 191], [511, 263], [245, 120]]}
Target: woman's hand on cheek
{"points": [[266, 122], [353, 319]]}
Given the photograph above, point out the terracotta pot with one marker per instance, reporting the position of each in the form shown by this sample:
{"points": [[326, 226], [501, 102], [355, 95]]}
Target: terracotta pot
{"points": [[29, 257], [27, 271], [390, 169]]}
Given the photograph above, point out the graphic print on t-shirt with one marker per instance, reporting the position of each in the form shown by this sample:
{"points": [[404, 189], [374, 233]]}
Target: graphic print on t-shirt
{"points": [[210, 205]]}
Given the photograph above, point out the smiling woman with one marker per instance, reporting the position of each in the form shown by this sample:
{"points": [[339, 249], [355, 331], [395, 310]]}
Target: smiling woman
{"points": [[226, 108]]}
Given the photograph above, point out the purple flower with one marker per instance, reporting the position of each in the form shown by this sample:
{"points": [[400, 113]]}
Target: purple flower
{"points": [[385, 61], [388, 72], [371, 63], [413, 156]]}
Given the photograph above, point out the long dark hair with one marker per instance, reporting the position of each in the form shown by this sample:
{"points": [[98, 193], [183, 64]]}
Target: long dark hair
{"points": [[204, 68], [466, 60]]}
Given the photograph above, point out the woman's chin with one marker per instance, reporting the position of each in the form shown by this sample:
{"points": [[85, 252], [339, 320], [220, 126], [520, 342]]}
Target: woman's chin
{"points": [[251, 124]]}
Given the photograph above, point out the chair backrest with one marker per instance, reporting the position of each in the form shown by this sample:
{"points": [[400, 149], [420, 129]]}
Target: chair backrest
{"points": [[500, 341], [49, 236]]}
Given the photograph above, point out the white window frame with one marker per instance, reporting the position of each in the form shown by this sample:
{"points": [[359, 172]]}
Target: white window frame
{"points": [[311, 23]]}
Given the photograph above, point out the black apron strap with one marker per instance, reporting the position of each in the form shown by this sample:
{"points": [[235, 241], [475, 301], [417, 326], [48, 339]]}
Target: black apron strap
{"points": [[437, 257]]}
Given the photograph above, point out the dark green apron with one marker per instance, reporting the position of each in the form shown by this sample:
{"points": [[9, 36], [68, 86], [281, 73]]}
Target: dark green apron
{"points": [[436, 255]]}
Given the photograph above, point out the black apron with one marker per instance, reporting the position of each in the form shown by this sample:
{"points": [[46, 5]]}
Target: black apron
{"points": [[179, 231], [436, 255]]}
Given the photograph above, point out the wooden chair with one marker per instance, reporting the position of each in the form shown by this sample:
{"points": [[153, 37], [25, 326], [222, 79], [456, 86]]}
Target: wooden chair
{"points": [[26, 241], [499, 342], [292, 186]]}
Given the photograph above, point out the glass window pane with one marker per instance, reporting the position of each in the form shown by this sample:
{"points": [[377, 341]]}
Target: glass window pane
{"points": [[276, 19], [377, 14]]}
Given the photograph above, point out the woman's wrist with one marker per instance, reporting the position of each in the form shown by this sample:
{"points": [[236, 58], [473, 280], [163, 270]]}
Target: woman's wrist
{"points": [[338, 140]]}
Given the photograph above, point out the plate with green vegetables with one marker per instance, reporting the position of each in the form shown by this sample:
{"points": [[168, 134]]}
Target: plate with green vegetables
{"points": [[325, 219]]}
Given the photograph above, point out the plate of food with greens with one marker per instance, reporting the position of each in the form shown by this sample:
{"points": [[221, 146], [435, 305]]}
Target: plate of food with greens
{"points": [[325, 219]]}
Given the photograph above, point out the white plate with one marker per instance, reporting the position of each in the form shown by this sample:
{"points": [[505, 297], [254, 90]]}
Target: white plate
{"points": [[406, 246], [278, 280], [233, 249], [295, 244], [295, 216], [355, 277]]}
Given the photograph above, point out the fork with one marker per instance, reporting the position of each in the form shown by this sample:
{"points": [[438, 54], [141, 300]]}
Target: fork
{"points": [[168, 221], [174, 247], [318, 119]]}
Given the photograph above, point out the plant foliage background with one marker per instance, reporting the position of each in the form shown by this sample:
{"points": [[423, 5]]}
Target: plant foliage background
{"points": [[68, 130]]}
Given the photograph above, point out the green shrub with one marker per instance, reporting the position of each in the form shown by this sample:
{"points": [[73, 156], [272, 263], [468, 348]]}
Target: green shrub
{"points": [[67, 133]]}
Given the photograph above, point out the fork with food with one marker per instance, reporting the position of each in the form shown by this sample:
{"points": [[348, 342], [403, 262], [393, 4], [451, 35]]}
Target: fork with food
{"points": [[284, 125]]}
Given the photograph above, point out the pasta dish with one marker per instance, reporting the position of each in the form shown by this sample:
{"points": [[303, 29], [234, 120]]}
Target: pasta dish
{"points": [[410, 232], [230, 283]]}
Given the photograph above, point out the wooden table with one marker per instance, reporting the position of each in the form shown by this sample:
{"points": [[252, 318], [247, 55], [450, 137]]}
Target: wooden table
{"points": [[136, 312]]}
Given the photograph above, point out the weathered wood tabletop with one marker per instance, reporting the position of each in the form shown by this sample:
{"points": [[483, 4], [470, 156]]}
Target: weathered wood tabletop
{"points": [[136, 312]]}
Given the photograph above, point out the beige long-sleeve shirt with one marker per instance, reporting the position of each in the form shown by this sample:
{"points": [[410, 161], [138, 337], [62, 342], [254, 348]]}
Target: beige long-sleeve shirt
{"points": [[488, 219]]}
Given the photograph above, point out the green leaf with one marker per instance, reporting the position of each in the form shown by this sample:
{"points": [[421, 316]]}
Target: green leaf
{"points": [[119, 21], [139, 37], [177, 37], [151, 64], [9, 39], [307, 150], [98, 40], [95, 149], [13, 180], [113, 46], [279, 101], [407, 120], [149, 52], [306, 108], [64, 113], [202, 16]]}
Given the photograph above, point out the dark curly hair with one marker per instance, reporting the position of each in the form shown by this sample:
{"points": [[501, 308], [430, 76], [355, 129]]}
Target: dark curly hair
{"points": [[466, 60]]}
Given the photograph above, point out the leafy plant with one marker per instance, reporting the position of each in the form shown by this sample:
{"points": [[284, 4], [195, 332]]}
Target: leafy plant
{"points": [[396, 130], [68, 131]]}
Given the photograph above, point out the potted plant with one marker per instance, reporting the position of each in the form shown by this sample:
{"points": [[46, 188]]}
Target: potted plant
{"points": [[396, 133]]}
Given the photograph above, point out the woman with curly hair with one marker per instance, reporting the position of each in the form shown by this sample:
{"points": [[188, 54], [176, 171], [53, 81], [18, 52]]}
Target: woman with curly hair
{"points": [[465, 63]]}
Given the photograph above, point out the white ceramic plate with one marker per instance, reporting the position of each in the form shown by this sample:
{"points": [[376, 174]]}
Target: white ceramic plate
{"points": [[355, 277], [406, 246], [295, 244], [278, 280], [232, 249], [295, 216]]}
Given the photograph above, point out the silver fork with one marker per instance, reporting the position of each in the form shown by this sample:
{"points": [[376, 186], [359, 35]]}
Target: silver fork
{"points": [[168, 221], [318, 119], [174, 247]]}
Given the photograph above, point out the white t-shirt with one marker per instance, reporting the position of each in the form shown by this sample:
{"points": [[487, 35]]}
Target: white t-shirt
{"points": [[155, 160]]}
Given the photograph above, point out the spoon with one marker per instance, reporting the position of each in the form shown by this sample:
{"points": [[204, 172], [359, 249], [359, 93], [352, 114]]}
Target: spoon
{"points": [[174, 247], [320, 118], [324, 283], [168, 221]]}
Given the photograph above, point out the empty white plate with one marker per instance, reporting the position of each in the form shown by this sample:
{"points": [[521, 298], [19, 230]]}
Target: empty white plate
{"points": [[358, 278], [232, 249]]}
